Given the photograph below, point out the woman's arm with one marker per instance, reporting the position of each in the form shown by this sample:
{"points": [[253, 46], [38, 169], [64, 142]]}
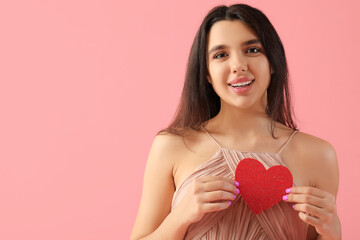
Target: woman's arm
{"points": [[317, 204], [153, 220]]}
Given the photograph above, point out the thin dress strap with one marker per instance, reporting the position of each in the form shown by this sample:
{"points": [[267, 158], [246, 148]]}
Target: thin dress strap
{"points": [[211, 137], [287, 142]]}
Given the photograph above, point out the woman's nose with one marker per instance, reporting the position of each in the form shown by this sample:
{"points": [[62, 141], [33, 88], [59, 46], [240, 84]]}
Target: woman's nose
{"points": [[235, 69], [238, 64]]}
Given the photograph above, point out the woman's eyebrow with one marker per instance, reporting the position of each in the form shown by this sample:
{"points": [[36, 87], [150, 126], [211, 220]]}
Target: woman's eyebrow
{"points": [[218, 47], [252, 41]]}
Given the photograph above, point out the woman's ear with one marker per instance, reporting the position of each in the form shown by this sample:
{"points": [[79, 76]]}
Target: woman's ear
{"points": [[209, 79]]}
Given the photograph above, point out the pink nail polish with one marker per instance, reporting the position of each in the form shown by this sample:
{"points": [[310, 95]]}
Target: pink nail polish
{"points": [[288, 190], [234, 196], [229, 202], [237, 190], [285, 197], [236, 183], [293, 205]]}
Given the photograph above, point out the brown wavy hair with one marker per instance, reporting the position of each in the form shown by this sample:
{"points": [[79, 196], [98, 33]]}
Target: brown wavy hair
{"points": [[199, 102]]}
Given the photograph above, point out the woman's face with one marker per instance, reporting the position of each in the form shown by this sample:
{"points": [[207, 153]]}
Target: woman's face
{"points": [[235, 55]]}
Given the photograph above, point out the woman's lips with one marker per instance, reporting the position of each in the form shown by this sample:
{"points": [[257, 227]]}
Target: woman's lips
{"points": [[242, 84], [242, 89], [241, 80]]}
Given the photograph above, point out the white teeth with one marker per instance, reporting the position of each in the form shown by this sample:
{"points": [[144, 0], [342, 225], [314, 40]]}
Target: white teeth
{"points": [[241, 84]]}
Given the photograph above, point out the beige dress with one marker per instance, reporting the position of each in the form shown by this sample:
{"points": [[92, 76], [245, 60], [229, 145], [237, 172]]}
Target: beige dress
{"points": [[280, 222]]}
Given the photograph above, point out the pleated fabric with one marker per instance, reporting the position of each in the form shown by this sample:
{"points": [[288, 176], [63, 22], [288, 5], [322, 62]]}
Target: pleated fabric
{"points": [[280, 222]]}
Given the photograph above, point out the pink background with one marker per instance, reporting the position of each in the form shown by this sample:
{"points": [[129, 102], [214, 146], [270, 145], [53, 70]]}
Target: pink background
{"points": [[85, 85]]}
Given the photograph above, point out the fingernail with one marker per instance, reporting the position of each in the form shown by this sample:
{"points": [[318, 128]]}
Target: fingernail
{"points": [[285, 197], [293, 205], [288, 190], [236, 183], [237, 190], [234, 196], [229, 202]]}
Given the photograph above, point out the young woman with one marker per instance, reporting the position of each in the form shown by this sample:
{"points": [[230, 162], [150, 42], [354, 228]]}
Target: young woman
{"points": [[236, 104]]}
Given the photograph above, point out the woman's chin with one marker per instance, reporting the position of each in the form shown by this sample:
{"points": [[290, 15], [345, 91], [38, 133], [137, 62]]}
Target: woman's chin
{"points": [[244, 105]]}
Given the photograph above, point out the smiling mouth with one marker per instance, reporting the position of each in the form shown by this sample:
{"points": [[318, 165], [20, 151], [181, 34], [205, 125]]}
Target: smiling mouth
{"points": [[243, 84]]}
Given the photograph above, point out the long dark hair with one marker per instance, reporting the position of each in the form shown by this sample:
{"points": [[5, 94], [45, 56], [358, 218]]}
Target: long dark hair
{"points": [[199, 102]]}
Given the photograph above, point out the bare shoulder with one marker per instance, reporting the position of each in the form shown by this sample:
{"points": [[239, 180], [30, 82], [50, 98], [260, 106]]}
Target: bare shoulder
{"points": [[318, 150], [165, 149], [185, 152], [173, 153], [318, 158], [165, 144]]}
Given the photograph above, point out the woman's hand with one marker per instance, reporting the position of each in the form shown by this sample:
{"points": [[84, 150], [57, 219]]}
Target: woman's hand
{"points": [[207, 194], [317, 208]]}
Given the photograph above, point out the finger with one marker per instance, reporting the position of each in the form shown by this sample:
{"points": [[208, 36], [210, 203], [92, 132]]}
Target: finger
{"points": [[305, 198], [217, 196], [311, 191], [213, 207], [220, 185], [309, 219], [310, 209], [216, 178]]}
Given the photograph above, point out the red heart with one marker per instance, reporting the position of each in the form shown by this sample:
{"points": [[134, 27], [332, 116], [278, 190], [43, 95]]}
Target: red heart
{"points": [[261, 188]]}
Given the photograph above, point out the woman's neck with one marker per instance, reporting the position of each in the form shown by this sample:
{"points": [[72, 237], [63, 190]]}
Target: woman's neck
{"points": [[240, 122]]}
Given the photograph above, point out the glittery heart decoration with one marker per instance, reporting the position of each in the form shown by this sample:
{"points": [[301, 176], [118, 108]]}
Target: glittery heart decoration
{"points": [[261, 188]]}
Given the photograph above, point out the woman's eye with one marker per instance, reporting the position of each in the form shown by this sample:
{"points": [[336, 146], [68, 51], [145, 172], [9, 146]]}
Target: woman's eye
{"points": [[254, 50], [219, 55]]}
